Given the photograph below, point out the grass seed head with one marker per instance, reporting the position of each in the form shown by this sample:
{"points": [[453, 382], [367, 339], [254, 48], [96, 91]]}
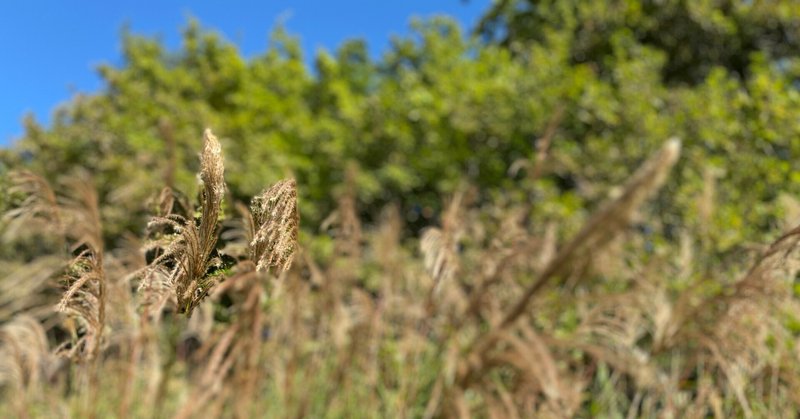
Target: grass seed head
{"points": [[277, 221]]}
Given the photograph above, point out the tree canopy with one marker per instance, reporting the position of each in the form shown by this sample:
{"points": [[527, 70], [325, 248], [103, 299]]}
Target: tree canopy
{"points": [[441, 108]]}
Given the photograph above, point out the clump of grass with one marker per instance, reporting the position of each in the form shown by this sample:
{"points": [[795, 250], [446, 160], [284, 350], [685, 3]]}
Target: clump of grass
{"points": [[491, 315], [189, 257], [39, 209], [26, 363], [273, 226], [85, 297]]}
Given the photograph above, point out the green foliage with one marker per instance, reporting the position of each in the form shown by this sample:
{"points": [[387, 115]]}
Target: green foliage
{"points": [[439, 109], [696, 36]]}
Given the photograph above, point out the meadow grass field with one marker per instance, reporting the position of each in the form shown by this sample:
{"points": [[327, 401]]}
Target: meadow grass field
{"points": [[211, 314]]}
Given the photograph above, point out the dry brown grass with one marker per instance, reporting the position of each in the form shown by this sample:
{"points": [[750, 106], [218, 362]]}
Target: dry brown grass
{"points": [[490, 314]]}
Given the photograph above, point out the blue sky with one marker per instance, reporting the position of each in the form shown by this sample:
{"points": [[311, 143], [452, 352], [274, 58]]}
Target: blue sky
{"points": [[50, 48]]}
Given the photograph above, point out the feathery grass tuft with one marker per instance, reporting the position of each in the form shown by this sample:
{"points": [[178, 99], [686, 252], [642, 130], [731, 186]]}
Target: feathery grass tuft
{"points": [[189, 257], [274, 227]]}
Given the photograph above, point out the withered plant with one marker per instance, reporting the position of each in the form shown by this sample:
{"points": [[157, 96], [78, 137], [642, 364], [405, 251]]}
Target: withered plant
{"points": [[492, 311], [189, 257]]}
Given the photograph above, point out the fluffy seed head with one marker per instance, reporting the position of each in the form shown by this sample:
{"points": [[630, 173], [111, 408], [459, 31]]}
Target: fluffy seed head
{"points": [[212, 169], [277, 220]]}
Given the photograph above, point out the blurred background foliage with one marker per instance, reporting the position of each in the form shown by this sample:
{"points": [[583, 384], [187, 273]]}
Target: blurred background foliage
{"points": [[602, 83]]}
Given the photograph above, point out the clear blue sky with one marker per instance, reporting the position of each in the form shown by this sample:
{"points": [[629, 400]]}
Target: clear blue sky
{"points": [[50, 49]]}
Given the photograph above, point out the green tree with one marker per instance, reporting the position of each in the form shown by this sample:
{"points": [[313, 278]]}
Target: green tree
{"points": [[696, 36], [441, 109]]}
